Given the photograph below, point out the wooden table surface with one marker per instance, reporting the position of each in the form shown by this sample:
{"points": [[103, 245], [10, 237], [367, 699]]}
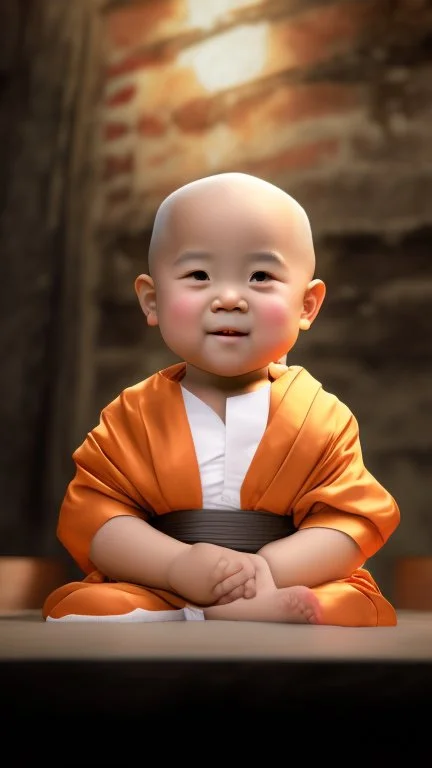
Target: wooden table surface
{"points": [[25, 637]]}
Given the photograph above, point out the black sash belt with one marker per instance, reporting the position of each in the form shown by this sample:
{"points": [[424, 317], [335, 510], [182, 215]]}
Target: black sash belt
{"points": [[240, 529]]}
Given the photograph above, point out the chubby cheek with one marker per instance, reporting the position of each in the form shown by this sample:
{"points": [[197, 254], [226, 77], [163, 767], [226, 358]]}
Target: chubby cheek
{"points": [[180, 310], [274, 315]]}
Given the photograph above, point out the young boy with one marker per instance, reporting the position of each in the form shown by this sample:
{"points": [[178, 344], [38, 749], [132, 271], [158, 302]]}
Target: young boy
{"points": [[227, 486]]}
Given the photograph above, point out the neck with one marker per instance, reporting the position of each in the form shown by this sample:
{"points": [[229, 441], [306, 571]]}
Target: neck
{"points": [[197, 379]]}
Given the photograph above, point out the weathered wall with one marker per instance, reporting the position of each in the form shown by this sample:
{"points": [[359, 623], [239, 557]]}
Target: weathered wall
{"points": [[334, 106], [330, 99], [42, 46]]}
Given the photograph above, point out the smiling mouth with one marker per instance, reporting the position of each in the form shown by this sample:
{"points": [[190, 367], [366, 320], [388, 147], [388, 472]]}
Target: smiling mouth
{"points": [[228, 332]]}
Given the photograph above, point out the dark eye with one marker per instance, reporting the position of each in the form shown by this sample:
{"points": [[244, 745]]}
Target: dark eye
{"points": [[261, 276], [198, 274]]}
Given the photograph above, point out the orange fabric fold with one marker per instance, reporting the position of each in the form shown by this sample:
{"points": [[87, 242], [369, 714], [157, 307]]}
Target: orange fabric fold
{"points": [[141, 460]]}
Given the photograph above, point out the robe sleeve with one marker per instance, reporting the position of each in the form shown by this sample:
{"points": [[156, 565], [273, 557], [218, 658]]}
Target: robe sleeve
{"points": [[342, 494], [102, 487]]}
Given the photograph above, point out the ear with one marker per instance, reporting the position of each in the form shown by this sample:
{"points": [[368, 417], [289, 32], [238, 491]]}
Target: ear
{"points": [[146, 292], [312, 301]]}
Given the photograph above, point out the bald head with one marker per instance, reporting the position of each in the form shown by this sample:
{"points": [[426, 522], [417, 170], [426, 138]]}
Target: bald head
{"points": [[238, 193]]}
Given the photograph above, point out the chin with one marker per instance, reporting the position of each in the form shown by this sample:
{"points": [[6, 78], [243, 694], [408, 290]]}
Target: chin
{"points": [[235, 372], [226, 371]]}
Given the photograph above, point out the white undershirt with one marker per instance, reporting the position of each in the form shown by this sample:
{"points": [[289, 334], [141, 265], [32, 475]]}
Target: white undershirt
{"points": [[225, 451]]}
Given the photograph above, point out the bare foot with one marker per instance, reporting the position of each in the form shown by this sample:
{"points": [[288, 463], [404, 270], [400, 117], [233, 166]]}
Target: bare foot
{"points": [[299, 605], [291, 605]]}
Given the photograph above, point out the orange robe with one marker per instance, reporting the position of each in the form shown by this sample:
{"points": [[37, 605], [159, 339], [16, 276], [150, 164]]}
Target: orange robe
{"points": [[309, 464]]}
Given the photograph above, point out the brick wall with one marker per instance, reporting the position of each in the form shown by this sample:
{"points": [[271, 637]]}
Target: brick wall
{"points": [[332, 101]]}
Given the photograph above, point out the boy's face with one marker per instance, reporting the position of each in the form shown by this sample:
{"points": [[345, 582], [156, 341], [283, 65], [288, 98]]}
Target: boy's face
{"points": [[231, 283]]}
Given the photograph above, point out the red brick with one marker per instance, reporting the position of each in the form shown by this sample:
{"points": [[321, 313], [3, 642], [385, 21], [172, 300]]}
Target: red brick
{"points": [[296, 103], [323, 32], [286, 104], [301, 157], [199, 114], [150, 126], [115, 165], [122, 96], [137, 25], [169, 87], [133, 63], [114, 131]]}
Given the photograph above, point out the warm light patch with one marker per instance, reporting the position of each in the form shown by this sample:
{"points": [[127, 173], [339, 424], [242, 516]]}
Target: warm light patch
{"points": [[204, 15], [229, 59]]}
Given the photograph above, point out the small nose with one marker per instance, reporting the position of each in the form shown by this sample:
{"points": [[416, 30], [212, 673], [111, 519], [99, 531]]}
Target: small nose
{"points": [[229, 301]]}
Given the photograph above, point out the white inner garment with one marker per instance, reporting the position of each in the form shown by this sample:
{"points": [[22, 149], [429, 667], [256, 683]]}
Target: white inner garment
{"points": [[225, 451]]}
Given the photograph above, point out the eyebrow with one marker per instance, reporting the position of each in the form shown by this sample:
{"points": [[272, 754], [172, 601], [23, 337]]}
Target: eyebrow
{"points": [[269, 257], [187, 256]]}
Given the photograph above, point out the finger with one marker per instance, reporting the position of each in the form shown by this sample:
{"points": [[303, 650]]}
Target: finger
{"points": [[225, 586], [245, 591], [249, 589], [230, 598], [222, 601], [246, 564], [225, 568], [235, 594]]}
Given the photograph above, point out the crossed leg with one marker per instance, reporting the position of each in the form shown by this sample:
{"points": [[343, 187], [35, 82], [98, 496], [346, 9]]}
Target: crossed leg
{"points": [[290, 605]]}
